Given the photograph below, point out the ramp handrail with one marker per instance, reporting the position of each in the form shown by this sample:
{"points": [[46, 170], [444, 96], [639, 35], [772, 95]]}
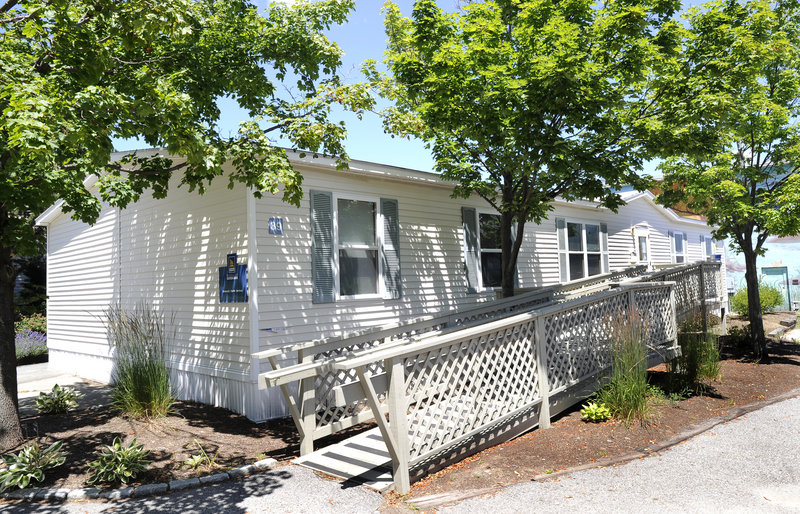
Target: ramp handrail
{"points": [[322, 406], [445, 389]]}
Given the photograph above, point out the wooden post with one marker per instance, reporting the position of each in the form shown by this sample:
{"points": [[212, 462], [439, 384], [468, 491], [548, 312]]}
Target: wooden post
{"points": [[398, 424], [308, 406], [703, 306], [540, 347]]}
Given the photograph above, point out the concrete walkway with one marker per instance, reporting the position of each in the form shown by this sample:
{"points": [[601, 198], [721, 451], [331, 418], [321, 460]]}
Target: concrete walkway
{"points": [[35, 378]]}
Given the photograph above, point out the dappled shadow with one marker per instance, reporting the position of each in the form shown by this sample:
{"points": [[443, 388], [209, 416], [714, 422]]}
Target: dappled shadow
{"points": [[94, 394], [227, 497]]}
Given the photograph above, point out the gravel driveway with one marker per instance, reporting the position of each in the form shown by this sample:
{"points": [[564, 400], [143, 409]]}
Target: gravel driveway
{"points": [[751, 464]]}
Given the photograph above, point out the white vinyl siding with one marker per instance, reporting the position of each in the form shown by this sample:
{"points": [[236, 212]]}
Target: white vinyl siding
{"points": [[166, 253]]}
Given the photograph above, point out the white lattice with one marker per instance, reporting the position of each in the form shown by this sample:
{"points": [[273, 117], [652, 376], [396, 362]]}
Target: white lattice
{"points": [[454, 389], [578, 339]]}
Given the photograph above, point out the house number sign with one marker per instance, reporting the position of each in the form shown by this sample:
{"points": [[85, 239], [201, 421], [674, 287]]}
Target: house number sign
{"points": [[276, 226]]}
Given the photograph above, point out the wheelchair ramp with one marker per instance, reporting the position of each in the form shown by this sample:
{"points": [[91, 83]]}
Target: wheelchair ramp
{"points": [[362, 459]]}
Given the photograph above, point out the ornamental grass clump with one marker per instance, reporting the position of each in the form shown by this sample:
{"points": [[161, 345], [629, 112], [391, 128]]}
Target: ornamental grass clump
{"points": [[140, 378], [30, 464], [626, 393], [698, 363]]}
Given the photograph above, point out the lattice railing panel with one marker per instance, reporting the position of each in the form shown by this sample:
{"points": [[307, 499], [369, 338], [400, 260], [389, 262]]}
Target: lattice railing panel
{"points": [[578, 339], [654, 309], [454, 389], [325, 383]]}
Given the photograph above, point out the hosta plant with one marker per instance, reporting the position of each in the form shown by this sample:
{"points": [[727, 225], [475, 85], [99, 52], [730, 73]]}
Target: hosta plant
{"points": [[30, 464], [58, 400], [118, 463], [595, 412]]}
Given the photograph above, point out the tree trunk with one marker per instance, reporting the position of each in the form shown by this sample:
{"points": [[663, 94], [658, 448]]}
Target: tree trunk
{"points": [[754, 306], [10, 431], [510, 247]]}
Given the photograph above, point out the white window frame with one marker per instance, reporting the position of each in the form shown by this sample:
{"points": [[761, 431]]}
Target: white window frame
{"points": [[585, 252], [380, 289], [675, 254], [713, 246], [478, 213], [639, 232]]}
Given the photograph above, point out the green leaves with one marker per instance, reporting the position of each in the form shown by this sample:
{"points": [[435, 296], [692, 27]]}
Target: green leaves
{"points": [[30, 464], [118, 463], [77, 74]]}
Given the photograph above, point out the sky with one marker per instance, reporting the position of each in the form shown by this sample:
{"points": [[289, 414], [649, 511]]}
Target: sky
{"points": [[363, 37]]}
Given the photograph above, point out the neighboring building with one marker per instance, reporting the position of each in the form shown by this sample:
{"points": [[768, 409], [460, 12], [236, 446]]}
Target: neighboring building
{"points": [[368, 247]]}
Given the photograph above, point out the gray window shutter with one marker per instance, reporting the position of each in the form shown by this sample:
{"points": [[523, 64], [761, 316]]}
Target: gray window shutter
{"points": [[604, 246], [471, 256], [671, 237], [390, 251], [322, 258], [561, 235]]}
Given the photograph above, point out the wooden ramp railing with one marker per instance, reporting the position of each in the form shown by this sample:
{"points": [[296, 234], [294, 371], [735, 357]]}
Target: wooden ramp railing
{"points": [[446, 382], [445, 390], [329, 399]]}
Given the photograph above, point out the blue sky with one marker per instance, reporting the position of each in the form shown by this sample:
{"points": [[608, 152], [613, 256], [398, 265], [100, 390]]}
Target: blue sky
{"points": [[361, 38]]}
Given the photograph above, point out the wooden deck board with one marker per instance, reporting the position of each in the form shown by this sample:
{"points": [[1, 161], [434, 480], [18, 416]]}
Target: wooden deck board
{"points": [[362, 459]]}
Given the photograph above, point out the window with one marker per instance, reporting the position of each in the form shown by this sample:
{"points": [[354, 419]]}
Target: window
{"points": [[678, 247], [583, 249], [642, 247], [491, 251], [641, 236], [355, 248], [709, 248], [482, 252]]}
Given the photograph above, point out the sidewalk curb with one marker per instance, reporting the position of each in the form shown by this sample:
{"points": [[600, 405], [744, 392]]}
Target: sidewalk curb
{"points": [[66, 495]]}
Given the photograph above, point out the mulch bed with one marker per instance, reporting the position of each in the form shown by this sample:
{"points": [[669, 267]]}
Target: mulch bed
{"points": [[571, 442]]}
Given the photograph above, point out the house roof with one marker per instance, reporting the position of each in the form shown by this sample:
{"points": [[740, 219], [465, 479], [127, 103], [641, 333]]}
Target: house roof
{"points": [[383, 171]]}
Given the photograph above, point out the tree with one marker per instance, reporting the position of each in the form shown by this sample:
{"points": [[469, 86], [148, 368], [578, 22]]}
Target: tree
{"points": [[523, 102], [741, 71], [77, 73]]}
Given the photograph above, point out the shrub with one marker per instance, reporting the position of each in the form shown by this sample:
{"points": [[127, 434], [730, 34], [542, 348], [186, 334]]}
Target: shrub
{"points": [[35, 322], [118, 463], [626, 392], [140, 379], [57, 401], [30, 464], [697, 364], [30, 343], [771, 297], [595, 412]]}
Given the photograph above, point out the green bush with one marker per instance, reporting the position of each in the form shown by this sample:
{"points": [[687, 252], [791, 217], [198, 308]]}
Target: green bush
{"points": [[118, 463], [58, 400], [771, 297], [30, 464], [140, 378], [697, 364], [626, 393], [35, 322], [595, 412]]}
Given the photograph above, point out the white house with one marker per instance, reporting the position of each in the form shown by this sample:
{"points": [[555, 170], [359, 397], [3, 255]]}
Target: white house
{"points": [[370, 246]]}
